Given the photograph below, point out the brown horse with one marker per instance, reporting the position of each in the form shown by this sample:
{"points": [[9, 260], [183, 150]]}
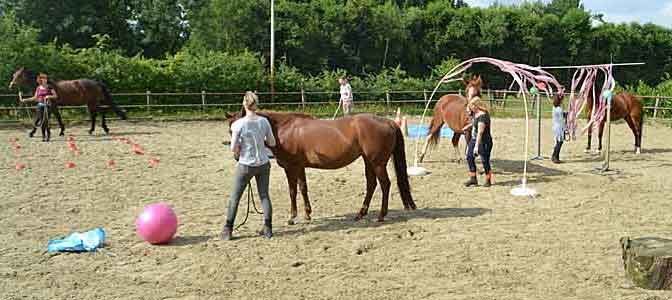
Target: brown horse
{"points": [[623, 106], [451, 110], [305, 142], [87, 92]]}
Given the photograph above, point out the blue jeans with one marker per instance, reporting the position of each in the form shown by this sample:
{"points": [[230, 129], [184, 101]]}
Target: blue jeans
{"points": [[484, 151]]}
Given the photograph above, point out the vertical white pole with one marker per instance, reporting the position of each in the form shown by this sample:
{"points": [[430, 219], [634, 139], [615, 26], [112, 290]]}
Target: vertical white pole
{"points": [[272, 49]]}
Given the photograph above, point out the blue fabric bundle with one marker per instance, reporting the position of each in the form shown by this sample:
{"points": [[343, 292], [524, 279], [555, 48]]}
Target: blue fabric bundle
{"points": [[79, 242], [421, 131]]}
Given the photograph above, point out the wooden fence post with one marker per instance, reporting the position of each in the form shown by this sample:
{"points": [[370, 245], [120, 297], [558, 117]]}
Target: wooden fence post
{"points": [[387, 99], [303, 100], [202, 100], [148, 94], [655, 108]]}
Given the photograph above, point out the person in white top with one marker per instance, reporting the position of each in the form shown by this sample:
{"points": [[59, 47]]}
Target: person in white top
{"points": [[558, 128], [346, 95], [250, 136]]}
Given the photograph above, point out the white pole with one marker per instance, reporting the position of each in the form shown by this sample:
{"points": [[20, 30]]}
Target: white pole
{"points": [[272, 47]]}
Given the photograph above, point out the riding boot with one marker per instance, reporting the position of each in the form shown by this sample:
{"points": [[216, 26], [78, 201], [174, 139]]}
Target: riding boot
{"points": [[472, 181], [32, 132], [267, 231], [556, 152], [488, 179], [227, 232]]}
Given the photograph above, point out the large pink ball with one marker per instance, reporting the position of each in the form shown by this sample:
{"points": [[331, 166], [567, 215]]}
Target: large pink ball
{"points": [[157, 224]]}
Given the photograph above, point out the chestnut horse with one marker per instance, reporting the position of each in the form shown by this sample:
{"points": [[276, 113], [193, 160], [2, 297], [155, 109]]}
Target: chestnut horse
{"points": [[87, 92], [452, 111], [305, 142], [623, 106]]}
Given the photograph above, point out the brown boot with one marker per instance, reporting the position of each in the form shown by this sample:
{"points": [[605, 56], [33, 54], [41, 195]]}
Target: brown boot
{"points": [[471, 182], [488, 179]]}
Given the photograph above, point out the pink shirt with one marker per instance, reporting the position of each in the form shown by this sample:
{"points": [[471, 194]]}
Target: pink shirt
{"points": [[42, 92]]}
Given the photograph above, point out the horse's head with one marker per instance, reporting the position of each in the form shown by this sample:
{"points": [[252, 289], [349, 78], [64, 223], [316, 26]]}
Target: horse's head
{"points": [[230, 118], [473, 86], [22, 77]]}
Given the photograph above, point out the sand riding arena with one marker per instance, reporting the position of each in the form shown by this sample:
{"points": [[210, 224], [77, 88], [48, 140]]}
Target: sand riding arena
{"points": [[461, 243]]}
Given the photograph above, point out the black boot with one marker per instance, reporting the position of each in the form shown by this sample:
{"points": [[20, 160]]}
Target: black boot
{"points": [[227, 232], [471, 182], [267, 231], [556, 152], [32, 132]]}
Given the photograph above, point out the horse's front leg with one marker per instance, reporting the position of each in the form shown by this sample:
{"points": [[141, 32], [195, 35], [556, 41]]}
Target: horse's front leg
{"points": [[93, 121], [370, 188], [456, 147], [599, 136], [303, 185], [291, 182]]}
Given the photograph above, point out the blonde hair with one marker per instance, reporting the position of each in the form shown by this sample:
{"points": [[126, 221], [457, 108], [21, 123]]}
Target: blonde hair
{"points": [[250, 101], [478, 103]]}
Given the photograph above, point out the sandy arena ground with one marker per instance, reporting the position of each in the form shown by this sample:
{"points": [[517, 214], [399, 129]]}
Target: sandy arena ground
{"points": [[461, 243]]}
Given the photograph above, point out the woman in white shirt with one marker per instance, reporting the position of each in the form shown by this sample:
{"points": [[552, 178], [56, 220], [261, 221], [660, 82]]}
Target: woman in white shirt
{"points": [[346, 95], [558, 128], [249, 137]]}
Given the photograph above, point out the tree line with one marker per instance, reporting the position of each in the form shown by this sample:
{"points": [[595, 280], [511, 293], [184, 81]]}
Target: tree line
{"points": [[193, 45]]}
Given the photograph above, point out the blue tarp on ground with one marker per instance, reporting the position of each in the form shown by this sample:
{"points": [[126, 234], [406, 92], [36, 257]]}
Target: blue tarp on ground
{"points": [[78, 242], [418, 130]]}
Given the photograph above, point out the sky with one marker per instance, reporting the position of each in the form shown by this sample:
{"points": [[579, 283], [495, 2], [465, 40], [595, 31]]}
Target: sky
{"points": [[616, 11]]}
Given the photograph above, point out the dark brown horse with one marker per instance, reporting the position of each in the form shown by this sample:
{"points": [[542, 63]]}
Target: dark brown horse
{"points": [[623, 106], [305, 142], [87, 92], [451, 110]]}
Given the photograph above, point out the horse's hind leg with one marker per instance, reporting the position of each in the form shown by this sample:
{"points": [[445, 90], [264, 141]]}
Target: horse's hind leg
{"points": [[599, 136], [93, 122], [291, 182], [384, 179], [303, 185], [370, 188], [103, 123], [590, 138], [57, 113], [636, 131]]}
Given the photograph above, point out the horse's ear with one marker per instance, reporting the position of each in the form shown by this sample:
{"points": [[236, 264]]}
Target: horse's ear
{"points": [[466, 81], [479, 81]]}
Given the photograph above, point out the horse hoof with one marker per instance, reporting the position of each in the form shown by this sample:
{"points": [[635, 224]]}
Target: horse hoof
{"points": [[586, 150], [90, 132], [381, 219], [638, 151], [291, 222], [61, 134], [307, 218]]}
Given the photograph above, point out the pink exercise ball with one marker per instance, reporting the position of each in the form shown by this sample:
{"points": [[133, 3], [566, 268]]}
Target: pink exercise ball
{"points": [[157, 224]]}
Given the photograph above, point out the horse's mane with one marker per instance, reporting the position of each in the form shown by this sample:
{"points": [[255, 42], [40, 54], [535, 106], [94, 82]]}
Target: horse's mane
{"points": [[282, 117]]}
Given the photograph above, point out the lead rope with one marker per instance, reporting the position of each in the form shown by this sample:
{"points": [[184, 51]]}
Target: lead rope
{"points": [[250, 198]]}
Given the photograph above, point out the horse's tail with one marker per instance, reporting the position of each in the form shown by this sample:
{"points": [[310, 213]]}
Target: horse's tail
{"points": [[108, 99], [435, 127], [400, 167]]}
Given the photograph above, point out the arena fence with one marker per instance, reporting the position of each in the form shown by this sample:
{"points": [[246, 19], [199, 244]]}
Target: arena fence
{"points": [[150, 105]]}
